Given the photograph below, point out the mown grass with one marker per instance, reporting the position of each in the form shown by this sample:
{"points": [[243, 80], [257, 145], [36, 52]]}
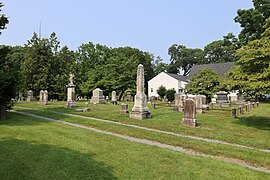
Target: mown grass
{"points": [[32, 148], [251, 129]]}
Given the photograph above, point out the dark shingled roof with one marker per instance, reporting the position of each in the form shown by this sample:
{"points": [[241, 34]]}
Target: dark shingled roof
{"points": [[178, 77], [220, 68]]}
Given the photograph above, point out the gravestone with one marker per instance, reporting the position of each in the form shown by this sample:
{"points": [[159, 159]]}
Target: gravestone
{"points": [[71, 93], [257, 103], [98, 97], [20, 96], [140, 110], [114, 98], [128, 97], [178, 102], [198, 101], [189, 113], [43, 97], [204, 102], [124, 109], [30, 96], [233, 97], [222, 97]]}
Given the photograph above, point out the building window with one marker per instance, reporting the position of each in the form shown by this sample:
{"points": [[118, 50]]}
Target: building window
{"points": [[152, 90]]}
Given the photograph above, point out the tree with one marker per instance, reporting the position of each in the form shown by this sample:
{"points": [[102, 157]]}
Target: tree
{"points": [[3, 19], [221, 50], [253, 70], [47, 67], [206, 82], [8, 78], [184, 58], [159, 66], [161, 91], [111, 68], [170, 94], [253, 20]]}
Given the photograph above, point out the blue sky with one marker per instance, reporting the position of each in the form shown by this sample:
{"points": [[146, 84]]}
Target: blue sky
{"points": [[150, 25]]}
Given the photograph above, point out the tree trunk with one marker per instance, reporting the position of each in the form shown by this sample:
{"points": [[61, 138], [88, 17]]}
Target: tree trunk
{"points": [[121, 95], [2, 112]]}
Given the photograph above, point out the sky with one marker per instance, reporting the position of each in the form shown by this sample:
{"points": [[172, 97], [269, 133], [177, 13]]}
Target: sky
{"points": [[149, 25]]}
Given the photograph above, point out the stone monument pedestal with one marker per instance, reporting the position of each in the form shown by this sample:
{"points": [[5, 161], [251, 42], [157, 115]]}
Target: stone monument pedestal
{"points": [[71, 96], [140, 115]]}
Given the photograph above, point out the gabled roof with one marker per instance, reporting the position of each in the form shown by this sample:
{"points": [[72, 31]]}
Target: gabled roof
{"points": [[220, 68], [178, 77]]}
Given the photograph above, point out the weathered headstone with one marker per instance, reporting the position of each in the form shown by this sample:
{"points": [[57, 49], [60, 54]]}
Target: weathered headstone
{"points": [[20, 96], [43, 97], [140, 110], [222, 96], [71, 93], [114, 98], [257, 103], [178, 102], [198, 101], [30, 96], [128, 97], [98, 97], [124, 109], [189, 113]]}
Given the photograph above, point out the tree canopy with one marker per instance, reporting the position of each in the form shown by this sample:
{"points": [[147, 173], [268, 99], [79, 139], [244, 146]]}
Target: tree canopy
{"points": [[206, 82], [252, 75]]}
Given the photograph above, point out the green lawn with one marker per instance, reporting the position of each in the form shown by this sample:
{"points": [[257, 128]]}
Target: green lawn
{"points": [[32, 148]]}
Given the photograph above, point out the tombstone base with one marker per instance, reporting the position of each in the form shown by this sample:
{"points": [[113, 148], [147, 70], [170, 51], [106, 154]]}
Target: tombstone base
{"points": [[180, 109], [191, 122], [98, 101], [70, 104], [140, 115], [199, 111], [43, 102], [123, 111]]}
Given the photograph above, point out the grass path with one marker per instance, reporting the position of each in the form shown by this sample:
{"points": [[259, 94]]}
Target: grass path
{"points": [[152, 143]]}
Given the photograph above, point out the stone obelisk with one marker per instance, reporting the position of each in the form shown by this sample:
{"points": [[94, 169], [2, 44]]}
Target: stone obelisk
{"points": [[71, 93], [140, 110]]}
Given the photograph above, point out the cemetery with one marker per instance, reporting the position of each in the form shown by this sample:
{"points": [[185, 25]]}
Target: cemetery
{"points": [[101, 112]]}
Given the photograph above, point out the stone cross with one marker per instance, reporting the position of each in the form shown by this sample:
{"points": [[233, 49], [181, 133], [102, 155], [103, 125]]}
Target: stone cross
{"points": [[189, 113], [140, 110]]}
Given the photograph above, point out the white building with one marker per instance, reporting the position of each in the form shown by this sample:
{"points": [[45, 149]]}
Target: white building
{"points": [[169, 81]]}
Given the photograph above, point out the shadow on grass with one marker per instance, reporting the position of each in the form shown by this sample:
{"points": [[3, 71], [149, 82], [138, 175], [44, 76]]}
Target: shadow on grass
{"points": [[258, 122], [23, 160]]}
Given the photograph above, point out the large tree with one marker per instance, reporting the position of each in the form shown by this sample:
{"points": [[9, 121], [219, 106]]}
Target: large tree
{"points": [[9, 75], [252, 75], [221, 50], [183, 58], [111, 68], [46, 66], [252, 20]]}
